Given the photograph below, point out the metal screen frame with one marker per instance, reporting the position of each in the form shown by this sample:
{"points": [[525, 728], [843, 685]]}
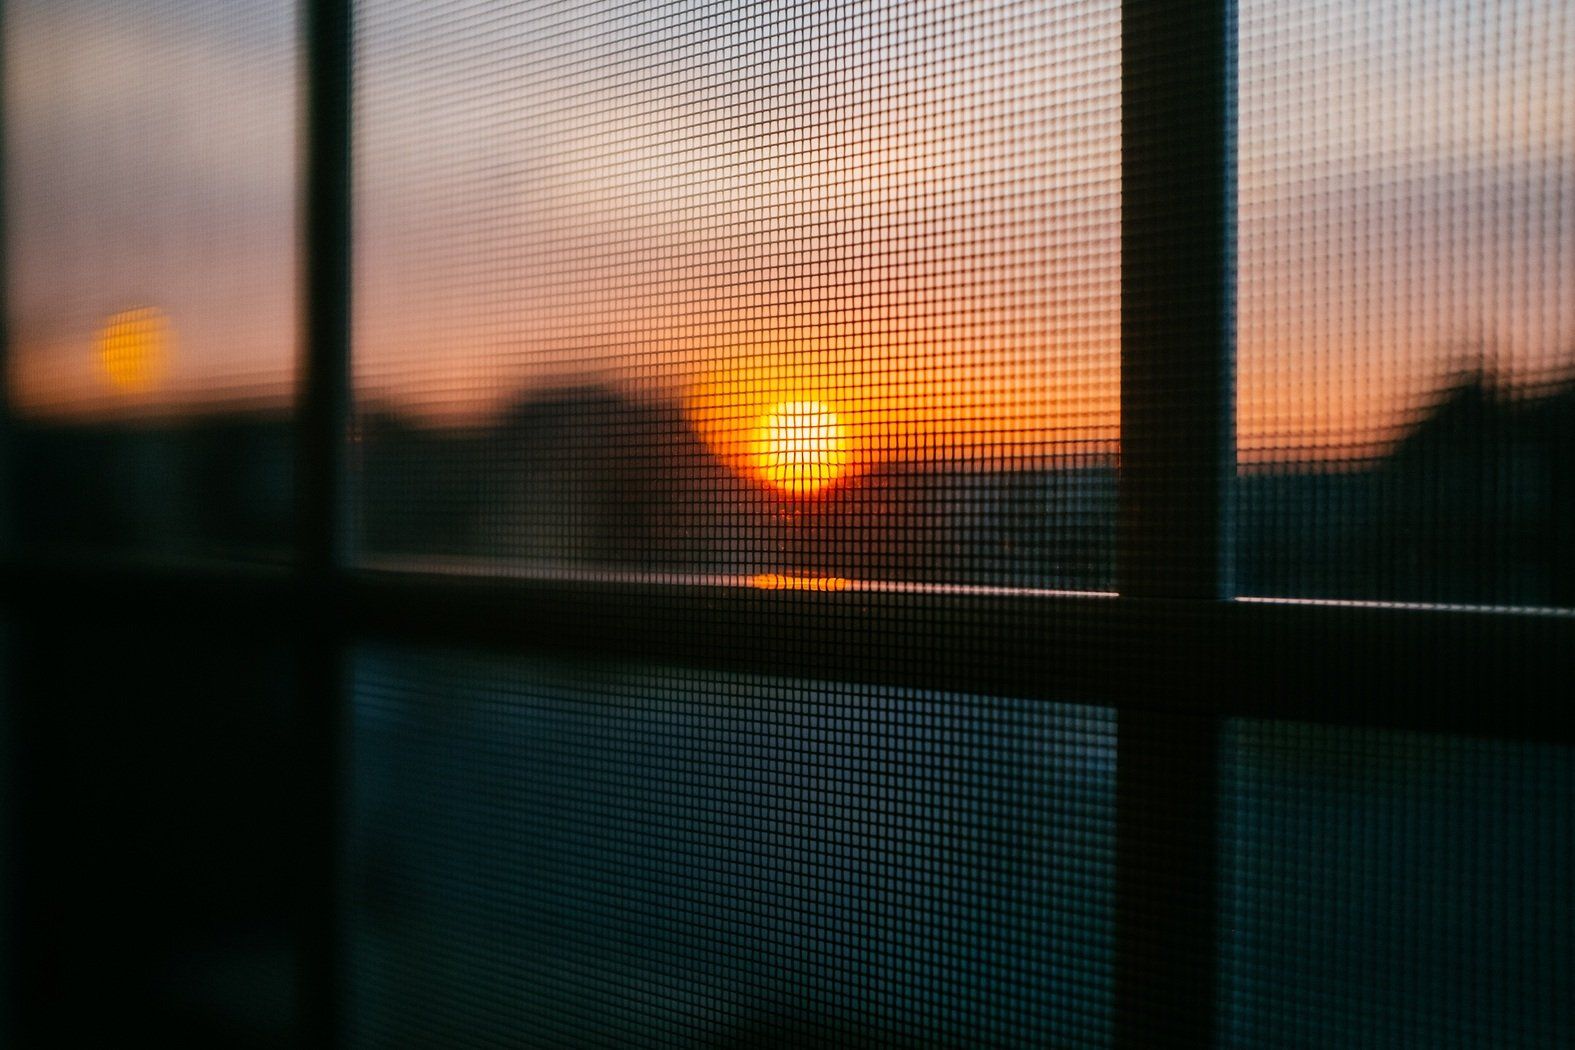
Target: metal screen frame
{"points": [[1174, 654]]}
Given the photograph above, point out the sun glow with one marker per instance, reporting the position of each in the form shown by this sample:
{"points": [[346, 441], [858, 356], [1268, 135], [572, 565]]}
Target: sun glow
{"points": [[133, 347], [777, 581], [784, 416], [803, 447]]}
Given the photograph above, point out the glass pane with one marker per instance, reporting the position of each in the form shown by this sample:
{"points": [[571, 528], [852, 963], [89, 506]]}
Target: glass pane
{"points": [[767, 292], [1395, 889], [150, 168], [1407, 300], [554, 854]]}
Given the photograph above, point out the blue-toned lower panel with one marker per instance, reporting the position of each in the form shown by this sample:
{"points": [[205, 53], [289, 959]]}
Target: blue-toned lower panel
{"points": [[546, 854], [1386, 889]]}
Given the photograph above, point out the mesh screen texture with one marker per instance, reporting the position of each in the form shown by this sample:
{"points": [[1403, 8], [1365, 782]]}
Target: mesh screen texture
{"points": [[1406, 346], [1394, 889], [771, 290], [551, 854], [150, 248]]}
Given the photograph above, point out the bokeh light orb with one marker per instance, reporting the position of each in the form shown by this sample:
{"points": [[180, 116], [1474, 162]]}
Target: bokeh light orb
{"points": [[133, 348]]}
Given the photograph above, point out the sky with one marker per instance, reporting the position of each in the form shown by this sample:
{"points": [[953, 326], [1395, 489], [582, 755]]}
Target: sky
{"points": [[906, 211]]}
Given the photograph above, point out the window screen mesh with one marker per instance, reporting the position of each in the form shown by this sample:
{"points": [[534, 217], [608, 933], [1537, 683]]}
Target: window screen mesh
{"points": [[1407, 300], [770, 290], [150, 166], [552, 854], [1394, 889]]}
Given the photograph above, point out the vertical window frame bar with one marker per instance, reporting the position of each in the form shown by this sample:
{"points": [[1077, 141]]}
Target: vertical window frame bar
{"points": [[12, 983], [1177, 460], [322, 509], [7, 446]]}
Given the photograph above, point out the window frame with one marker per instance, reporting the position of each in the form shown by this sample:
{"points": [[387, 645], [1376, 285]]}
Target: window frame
{"points": [[1173, 652]]}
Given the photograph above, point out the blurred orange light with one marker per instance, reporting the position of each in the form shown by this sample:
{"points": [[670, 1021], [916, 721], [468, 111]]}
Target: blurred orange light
{"points": [[133, 348], [774, 581], [803, 447], [788, 418]]}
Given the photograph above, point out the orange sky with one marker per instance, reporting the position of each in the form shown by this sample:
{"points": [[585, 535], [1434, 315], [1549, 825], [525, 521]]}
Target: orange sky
{"points": [[913, 207]]}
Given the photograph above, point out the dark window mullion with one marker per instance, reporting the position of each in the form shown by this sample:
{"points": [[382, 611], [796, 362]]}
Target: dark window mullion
{"points": [[1176, 455], [7, 449], [13, 984], [322, 521]]}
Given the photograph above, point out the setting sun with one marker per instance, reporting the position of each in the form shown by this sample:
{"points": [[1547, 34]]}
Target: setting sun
{"points": [[132, 348], [804, 447], [780, 416]]}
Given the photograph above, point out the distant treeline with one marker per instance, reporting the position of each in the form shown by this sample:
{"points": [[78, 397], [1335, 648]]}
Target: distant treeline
{"points": [[1475, 504]]}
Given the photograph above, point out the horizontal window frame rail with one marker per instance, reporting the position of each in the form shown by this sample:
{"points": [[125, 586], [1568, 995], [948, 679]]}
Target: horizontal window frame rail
{"points": [[1485, 672]]}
